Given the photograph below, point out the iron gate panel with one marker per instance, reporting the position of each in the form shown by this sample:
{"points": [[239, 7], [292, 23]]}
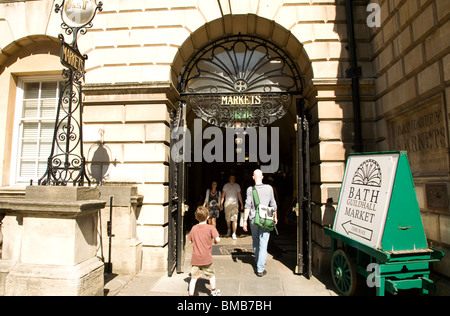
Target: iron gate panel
{"points": [[304, 218], [176, 192]]}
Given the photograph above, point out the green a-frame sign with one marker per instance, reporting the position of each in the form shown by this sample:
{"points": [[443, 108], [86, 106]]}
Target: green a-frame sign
{"points": [[378, 205]]}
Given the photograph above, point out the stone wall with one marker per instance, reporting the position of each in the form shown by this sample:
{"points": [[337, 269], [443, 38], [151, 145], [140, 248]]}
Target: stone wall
{"points": [[127, 142], [411, 61], [137, 49]]}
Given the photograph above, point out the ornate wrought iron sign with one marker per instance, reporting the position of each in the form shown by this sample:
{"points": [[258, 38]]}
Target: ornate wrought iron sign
{"points": [[241, 79], [71, 58], [66, 162]]}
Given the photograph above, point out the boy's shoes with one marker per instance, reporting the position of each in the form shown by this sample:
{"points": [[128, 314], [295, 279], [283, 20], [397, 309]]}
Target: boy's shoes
{"points": [[215, 292], [261, 274], [234, 236]]}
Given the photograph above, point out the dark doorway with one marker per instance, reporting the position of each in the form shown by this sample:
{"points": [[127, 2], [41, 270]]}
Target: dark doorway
{"points": [[199, 176], [250, 83]]}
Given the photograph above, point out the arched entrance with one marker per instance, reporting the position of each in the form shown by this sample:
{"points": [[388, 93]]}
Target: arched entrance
{"points": [[241, 81], [250, 88]]}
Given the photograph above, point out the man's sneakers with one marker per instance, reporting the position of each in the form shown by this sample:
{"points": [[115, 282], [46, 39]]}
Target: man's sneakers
{"points": [[229, 234], [261, 274]]}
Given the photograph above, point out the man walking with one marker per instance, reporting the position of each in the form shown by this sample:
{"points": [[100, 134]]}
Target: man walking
{"points": [[260, 236], [231, 194]]}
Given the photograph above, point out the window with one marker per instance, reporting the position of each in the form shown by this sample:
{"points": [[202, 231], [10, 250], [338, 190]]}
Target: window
{"points": [[37, 101]]}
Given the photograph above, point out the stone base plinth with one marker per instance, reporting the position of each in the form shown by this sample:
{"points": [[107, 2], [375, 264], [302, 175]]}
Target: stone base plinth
{"points": [[84, 279], [50, 243]]}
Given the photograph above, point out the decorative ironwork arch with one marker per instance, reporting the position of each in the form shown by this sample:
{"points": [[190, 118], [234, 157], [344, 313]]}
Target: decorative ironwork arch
{"points": [[240, 79]]}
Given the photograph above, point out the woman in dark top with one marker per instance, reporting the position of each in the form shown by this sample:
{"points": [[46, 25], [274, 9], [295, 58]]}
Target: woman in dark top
{"points": [[212, 200]]}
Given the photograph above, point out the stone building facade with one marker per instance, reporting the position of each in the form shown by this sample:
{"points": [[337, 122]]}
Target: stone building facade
{"points": [[139, 48]]}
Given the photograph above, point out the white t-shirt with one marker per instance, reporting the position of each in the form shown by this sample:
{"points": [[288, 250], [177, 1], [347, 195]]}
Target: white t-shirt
{"points": [[231, 196]]}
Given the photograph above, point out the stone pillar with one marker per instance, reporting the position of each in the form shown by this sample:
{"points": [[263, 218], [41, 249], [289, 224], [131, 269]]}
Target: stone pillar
{"points": [[126, 248], [50, 243]]}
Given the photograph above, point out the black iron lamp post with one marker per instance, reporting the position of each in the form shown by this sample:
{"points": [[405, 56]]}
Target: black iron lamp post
{"points": [[66, 163]]}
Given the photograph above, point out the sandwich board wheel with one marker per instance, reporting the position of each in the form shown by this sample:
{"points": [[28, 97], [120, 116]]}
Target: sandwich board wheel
{"points": [[343, 272]]}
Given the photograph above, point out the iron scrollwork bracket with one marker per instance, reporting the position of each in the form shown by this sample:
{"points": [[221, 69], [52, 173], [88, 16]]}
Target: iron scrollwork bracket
{"points": [[66, 162], [74, 30]]}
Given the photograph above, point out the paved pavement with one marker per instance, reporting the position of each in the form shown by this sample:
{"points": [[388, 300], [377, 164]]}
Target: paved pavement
{"points": [[235, 276]]}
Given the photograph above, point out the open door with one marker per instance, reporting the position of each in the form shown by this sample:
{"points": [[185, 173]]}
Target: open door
{"points": [[303, 207], [176, 190]]}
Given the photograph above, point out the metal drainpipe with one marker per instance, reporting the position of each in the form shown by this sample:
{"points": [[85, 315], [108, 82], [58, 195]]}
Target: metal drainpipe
{"points": [[355, 73]]}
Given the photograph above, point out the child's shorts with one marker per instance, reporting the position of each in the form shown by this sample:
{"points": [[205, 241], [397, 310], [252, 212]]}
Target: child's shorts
{"points": [[198, 271]]}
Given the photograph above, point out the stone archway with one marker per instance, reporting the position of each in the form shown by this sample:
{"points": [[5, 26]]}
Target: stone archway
{"points": [[26, 46], [245, 80], [246, 29], [248, 24], [28, 56]]}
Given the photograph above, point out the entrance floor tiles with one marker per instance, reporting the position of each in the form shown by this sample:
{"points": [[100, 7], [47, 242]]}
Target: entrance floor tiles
{"points": [[235, 276]]}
